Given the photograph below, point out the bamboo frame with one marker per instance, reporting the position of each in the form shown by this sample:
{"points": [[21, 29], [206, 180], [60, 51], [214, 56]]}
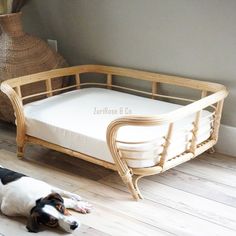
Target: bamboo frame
{"points": [[77, 78], [109, 81], [166, 145], [12, 88], [154, 89]]}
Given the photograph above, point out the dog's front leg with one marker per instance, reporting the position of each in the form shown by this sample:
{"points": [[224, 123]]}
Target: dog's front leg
{"points": [[79, 206], [66, 194]]}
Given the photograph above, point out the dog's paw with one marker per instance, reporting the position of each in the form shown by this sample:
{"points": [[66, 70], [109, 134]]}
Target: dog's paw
{"points": [[83, 207], [75, 197]]}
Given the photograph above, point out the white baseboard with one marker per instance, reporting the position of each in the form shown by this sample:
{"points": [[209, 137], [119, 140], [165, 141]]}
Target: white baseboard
{"points": [[227, 140]]}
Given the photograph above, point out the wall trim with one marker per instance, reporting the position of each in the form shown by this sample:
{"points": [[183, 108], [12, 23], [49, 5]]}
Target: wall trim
{"points": [[227, 140]]}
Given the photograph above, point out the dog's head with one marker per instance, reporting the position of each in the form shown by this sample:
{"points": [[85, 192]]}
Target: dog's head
{"points": [[50, 211]]}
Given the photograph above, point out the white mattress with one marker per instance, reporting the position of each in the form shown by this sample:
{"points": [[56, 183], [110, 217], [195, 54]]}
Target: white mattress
{"points": [[78, 120]]}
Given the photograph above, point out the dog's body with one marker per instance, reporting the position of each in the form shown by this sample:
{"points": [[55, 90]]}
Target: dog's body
{"points": [[21, 195]]}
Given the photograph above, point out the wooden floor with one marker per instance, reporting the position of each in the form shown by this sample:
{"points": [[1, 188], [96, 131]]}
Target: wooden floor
{"points": [[195, 198]]}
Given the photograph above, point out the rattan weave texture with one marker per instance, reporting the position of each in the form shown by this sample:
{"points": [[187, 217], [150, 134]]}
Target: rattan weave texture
{"points": [[23, 54]]}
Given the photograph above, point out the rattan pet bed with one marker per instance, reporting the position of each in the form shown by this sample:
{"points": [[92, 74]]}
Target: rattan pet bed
{"points": [[110, 124]]}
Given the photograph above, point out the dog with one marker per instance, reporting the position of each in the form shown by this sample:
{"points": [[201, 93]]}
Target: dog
{"points": [[40, 202]]}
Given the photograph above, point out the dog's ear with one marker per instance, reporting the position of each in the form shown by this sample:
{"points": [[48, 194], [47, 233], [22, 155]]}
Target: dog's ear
{"points": [[33, 222], [54, 196]]}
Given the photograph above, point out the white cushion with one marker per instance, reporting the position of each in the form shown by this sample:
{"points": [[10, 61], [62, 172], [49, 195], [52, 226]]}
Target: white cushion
{"points": [[78, 120]]}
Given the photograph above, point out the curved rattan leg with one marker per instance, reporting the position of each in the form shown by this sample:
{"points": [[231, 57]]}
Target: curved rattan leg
{"points": [[122, 167], [20, 152], [136, 186], [129, 180], [211, 150]]}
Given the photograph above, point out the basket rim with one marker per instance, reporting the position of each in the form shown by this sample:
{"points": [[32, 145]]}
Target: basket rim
{"points": [[9, 15]]}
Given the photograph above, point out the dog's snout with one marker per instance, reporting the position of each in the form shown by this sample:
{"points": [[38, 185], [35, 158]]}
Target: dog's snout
{"points": [[74, 225]]}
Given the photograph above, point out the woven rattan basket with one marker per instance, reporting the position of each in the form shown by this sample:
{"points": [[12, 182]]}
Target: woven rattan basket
{"points": [[22, 54]]}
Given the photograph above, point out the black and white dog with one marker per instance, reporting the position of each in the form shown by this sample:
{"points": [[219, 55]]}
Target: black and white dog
{"points": [[40, 202]]}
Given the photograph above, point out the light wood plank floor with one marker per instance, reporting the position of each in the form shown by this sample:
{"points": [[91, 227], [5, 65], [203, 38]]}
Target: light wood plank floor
{"points": [[195, 198]]}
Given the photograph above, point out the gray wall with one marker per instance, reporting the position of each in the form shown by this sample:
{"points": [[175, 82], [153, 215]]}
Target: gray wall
{"points": [[192, 38]]}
